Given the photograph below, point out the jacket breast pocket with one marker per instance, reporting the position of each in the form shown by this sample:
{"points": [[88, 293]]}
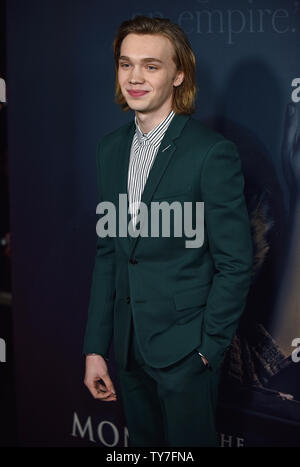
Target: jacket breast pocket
{"points": [[186, 192]]}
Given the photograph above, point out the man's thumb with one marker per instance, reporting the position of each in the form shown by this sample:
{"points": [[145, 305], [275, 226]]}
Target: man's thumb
{"points": [[109, 384]]}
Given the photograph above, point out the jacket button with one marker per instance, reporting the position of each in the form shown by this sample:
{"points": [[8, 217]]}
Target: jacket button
{"points": [[133, 261], [127, 299]]}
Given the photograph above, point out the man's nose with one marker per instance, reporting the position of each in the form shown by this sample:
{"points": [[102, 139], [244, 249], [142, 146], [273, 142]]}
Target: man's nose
{"points": [[136, 75]]}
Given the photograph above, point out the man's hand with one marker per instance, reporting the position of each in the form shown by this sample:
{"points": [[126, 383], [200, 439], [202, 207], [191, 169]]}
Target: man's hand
{"points": [[204, 360], [95, 370]]}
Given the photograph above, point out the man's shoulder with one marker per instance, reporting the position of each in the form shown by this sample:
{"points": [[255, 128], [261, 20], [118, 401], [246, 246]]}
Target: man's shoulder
{"points": [[202, 134]]}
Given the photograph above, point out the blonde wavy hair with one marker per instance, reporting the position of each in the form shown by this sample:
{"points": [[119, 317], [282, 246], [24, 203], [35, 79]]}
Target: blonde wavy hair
{"points": [[183, 95]]}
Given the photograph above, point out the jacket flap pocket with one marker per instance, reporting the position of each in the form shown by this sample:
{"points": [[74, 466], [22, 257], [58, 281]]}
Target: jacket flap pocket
{"points": [[193, 297]]}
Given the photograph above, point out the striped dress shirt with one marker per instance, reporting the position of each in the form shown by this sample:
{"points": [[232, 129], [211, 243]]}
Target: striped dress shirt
{"points": [[143, 151]]}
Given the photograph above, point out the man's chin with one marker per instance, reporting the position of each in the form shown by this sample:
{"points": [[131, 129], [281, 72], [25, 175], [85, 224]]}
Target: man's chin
{"points": [[136, 107]]}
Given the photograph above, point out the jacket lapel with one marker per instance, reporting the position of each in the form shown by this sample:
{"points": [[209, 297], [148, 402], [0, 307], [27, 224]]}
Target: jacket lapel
{"points": [[162, 159]]}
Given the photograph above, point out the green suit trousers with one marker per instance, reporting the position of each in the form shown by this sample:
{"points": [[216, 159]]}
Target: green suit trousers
{"points": [[170, 406]]}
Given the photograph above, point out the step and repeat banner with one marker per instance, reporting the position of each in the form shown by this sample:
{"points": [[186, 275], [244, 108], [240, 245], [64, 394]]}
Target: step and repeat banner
{"points": [[60, 92]]}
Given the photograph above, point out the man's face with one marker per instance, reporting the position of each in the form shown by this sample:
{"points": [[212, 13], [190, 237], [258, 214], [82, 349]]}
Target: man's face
{"points": [[147, 72]]}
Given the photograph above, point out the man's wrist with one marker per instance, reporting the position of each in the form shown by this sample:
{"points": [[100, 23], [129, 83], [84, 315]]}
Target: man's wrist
{"points": [[201, 355], [97, 354]]}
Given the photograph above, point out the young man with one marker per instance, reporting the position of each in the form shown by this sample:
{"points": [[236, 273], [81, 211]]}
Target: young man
{"points": [[171, 310]]}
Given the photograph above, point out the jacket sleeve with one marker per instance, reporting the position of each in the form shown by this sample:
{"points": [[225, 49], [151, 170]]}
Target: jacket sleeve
{"points": [[230, 244], [99, 327]]}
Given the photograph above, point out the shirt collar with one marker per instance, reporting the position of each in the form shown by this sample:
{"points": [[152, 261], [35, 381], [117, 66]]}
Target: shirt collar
{"points": [[154, 136]]}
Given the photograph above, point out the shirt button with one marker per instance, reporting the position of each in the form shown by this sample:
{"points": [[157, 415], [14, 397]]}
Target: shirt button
{"points": [[133, 261]]}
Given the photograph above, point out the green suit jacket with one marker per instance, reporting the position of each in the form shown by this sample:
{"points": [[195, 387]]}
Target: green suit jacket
{"points": [[180, 298]]}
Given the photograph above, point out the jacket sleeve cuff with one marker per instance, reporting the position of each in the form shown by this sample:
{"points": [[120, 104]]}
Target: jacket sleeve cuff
{"points": [[212, 351]]}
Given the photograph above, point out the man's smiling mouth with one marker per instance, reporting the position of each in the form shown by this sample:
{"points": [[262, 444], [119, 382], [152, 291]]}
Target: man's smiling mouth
{"points": [[136, 93]]}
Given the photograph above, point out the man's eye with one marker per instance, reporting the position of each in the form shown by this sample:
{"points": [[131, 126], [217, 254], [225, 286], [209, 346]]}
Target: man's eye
{"points": [[151, 67], [124, 65]]}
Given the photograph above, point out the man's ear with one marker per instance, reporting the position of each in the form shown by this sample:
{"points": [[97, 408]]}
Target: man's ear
{"points": [[178, 79]]}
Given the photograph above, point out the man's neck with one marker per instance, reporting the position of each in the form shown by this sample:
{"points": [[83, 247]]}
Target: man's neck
{"points": [[148, 121]]}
